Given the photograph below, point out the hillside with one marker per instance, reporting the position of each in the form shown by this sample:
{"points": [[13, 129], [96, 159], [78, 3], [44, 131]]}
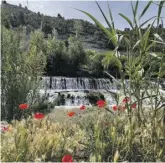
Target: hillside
{"points": [[15, 16]]}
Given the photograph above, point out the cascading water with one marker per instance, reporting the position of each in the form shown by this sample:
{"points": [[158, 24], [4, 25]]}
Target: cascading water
{"points": [[61, 83], [75, 90]]}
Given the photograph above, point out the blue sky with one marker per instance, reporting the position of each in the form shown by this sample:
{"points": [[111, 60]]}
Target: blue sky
{"points": [[52, 8]]}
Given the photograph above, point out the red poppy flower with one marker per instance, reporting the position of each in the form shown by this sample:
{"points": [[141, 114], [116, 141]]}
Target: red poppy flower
{"points": [[126, 99], [133, 106], [82, 107], [67, 158], [101, 103], [114, 108], [70, 114], [4, 128], [23, 106], [39, 115]]}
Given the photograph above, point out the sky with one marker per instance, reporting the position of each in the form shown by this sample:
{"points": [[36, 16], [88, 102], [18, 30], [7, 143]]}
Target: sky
{"points": [[65, 8]]}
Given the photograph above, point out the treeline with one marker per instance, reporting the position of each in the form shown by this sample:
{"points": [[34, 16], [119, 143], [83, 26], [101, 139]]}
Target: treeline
{"points": [[14, 16], [71, 59]]}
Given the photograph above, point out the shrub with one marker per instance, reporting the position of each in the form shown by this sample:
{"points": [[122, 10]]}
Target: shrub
{"points": [[20, 71], [94, 97], [93, 63]]}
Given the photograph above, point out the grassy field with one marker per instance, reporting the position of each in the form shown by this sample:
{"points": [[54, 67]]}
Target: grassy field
{"points": [[91, 135], [60, 114]]}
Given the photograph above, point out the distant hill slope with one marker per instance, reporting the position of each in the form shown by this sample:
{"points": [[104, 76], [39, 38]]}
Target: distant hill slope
{"points": [[15, 16]]}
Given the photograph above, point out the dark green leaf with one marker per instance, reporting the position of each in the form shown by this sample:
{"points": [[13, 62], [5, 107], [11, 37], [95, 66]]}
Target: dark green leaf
{"points": [[160, 10], [104, 15], [127, 19], [145, 9], [147, 21], [111, 17]]}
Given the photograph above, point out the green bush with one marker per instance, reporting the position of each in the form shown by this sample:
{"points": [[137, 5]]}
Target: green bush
{"points": [[42, 106], [60, 100], [93, 63], [20, 70], [94, 97]]}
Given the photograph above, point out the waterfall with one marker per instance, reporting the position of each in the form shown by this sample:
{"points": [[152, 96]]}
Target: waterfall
{"points": [[74, 91], [61, 83]]}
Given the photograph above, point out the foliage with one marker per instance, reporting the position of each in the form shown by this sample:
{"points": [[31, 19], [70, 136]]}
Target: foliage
{"points": [[97, 63], [57, 56], [76, 52], [110, 61], [20, 70], [94, 97], [60, 100], [93, 64], [64, 59], [78, 28], [71, 52]]}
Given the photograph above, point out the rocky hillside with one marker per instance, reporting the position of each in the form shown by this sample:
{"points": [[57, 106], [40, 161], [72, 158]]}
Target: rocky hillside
{"points": [[15, 16]]}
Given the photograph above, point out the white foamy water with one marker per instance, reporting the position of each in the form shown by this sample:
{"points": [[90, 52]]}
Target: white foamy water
{"points": [[75, 90]]}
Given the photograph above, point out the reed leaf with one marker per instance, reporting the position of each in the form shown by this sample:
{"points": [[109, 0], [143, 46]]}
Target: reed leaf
{"points": [[137, 43], [127, 19], [111, 17], [158, 37], [145, 9], [144, 39], [150, 46], [159, 11], [147, 21], [104, 15], [134, 10], [110, 35]]}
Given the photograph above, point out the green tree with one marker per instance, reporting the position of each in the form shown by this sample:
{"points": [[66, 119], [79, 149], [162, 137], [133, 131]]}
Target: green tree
{"points": [[37, 39], [47, 29], [78, 28], [57, 56], [76, 52], [5, 19], [14, 21], [97, 35], [59, 16], [21, 18]]}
